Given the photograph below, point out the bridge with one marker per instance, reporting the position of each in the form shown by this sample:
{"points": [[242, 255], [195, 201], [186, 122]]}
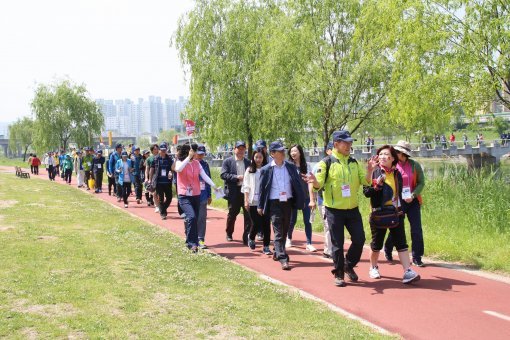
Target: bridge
{"points": [[474, 155]]}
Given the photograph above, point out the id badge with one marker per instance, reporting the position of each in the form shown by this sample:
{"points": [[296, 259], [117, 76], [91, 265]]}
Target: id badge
{"points": [[163, 172], [202, 185], [406, 193], [255, 197], [99, 166], [346, 190], [283, 196], [89, 164], [189, 191]]}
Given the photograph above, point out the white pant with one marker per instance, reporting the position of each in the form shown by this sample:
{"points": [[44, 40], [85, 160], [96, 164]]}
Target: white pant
{"points": [[80, 177], [328, 246]]}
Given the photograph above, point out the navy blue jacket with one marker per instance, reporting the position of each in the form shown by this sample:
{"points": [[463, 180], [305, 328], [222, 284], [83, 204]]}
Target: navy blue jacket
{"points": [[229, 174], [266, 179]]}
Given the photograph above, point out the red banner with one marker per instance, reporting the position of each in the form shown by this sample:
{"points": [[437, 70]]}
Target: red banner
{"points": [[190, 127]]}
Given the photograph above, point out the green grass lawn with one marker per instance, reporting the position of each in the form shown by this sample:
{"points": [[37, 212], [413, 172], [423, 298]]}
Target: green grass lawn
{"points": [[13, 162], [74, 266]]}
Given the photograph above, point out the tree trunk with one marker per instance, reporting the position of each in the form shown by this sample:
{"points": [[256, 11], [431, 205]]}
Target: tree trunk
{"points": [[25, 153]]}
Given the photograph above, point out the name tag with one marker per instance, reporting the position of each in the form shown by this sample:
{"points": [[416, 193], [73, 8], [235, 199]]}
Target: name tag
{"points": [[283, 196], [189, 191], [99, 166], [163, 172], [346, 190], [406, 193], [256, 197], [202, 185], [89, 164]]}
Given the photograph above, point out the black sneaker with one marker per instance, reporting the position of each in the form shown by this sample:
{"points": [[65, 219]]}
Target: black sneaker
{"points": [[418, 263], [229, 238], [326, 256], [388, 256], [350, 273], [285, 265], [339, 281], [251, 244]]}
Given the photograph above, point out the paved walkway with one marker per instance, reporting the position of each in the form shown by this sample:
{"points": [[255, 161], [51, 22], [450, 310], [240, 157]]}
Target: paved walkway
{"points": [[444, 304]]}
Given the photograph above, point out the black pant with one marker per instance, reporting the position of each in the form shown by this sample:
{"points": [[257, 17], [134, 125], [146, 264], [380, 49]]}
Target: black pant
{"points": [[51, 172], [164, 192], [88, 175], [235, 203], [32, 169], [68, 173], [126, 191], [98, 176], [111, 184], [398, 237], [279, 213], [36, 169], [260, 224], [351, 219], [138, 187]]}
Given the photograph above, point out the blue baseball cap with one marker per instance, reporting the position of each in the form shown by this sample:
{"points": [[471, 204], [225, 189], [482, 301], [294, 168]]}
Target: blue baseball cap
{"points": [[342, 136], [201, 150], [240, 143], [260, 144], [124, 153], [163, 146], [276, 146], [118, 146]]}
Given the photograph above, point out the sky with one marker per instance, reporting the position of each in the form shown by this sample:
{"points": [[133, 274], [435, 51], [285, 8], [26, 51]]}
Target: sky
{"points": [[117, 48]]}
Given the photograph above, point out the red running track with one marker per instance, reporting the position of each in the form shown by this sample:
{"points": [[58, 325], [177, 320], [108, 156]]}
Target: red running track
{"points": [[444, 304]]}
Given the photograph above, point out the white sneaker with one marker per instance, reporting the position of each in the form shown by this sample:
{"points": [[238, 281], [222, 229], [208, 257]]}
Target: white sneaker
{"points": [[374, 273], [410, 276], [288, 243], [156, 210], [125, 205], [311, 248]]}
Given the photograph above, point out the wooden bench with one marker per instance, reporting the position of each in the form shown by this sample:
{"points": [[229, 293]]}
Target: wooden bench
{"points": [[20, 173]]}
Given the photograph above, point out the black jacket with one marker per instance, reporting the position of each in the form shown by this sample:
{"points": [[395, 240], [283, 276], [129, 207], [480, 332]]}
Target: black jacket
{"points": [[229, 174], [266, 179], [378, 196]]}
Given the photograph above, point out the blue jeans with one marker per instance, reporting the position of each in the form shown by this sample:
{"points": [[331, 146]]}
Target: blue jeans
{"points": [[306, 220], [413, 213], [190, 206]]}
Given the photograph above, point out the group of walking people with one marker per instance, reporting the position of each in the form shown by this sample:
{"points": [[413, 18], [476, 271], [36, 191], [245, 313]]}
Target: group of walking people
{"points": [[271, 188]]}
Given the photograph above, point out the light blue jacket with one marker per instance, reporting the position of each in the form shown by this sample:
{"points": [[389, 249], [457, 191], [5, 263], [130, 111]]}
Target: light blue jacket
{"points": [[119, 168]]}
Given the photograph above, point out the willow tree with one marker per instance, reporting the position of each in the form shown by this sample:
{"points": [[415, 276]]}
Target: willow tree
{"points": [[219, 42], [344, 79], [63, 113], [21, 135]]}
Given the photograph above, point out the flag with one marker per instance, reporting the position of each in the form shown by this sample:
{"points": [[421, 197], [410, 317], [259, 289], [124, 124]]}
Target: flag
{"points": [[190, 126]]}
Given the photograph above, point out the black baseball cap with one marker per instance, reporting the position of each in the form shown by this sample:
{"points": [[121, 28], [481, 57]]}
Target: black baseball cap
{"points": [[260, 144], [163, 147], [118, 146]]}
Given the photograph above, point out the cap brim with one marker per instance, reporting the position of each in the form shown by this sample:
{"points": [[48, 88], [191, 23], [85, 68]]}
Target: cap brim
{"points": [[278, 149], [200, 152]]}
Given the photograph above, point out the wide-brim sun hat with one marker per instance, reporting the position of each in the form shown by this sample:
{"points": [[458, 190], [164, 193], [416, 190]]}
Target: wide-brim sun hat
{"points": [[404, 147]]}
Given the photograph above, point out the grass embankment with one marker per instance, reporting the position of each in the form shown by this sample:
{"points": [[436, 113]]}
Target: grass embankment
{"points": [[465, 217], [13, 162], [74, 266]]}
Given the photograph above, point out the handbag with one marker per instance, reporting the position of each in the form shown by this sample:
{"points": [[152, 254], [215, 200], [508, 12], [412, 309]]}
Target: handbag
{"points": [[385, 218]]}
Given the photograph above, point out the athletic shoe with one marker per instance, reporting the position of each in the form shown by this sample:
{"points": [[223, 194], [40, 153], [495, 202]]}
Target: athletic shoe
{"points": [[119, 199], [201, 245], [251, 244], [288, 243], [156, 210], [194, 249], [311, 248], [410, 276], [374, 273], [125, 205], [260, 237], [285, 265], [350, 273], [163, 217], [326, 256], [138, 201], [388, 256], [266, 251], [418, 263], [339, 281], [229, 238]]}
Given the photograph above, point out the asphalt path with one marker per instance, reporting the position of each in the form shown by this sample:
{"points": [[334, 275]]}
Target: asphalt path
{"points": [[445, 304]]}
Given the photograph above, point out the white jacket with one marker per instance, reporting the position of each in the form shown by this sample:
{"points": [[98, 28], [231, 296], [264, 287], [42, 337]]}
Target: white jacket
{"points": [[251, 183]]}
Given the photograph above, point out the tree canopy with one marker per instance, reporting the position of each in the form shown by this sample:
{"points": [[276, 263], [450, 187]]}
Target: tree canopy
{"points": [[21, 135]]}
